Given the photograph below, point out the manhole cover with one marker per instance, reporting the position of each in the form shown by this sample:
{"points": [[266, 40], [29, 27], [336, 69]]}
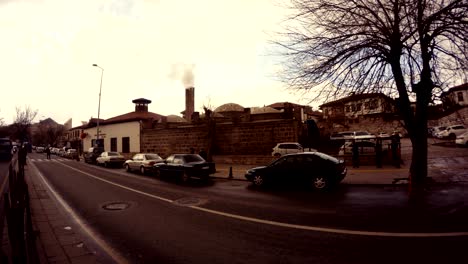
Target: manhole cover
{"points": [[190, 201], [116, 206]]}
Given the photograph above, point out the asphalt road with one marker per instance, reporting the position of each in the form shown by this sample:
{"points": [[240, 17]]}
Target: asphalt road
{"points": [[231, 222]]}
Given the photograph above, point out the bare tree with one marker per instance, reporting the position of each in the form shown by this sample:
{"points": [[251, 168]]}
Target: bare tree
{"points": [[22, 123], [408, 48]]}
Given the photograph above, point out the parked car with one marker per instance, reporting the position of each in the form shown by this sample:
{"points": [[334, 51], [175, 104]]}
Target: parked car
{"points": [[6, 148], [61, 153], [72, 154], [184, 167], [462, 139], [437, 129], [365, 147], [92, 154], [110, 158], [143, 162], [286, 148], [40, 149], [451, 132], [316, 169]]}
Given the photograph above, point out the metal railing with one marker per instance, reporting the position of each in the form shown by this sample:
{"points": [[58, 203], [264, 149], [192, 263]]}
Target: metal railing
{"points": [[17, 213]]}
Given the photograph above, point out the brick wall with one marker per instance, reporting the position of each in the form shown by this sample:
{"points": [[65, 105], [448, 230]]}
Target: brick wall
{"points": [[249, 138]]}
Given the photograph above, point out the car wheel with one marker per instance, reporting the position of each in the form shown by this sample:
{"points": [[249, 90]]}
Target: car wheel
{"points": [[258, 180], [142, 170], [127, 167], [157, 172], [320, 183], [106, 165], [452, 137], [185, 177]]}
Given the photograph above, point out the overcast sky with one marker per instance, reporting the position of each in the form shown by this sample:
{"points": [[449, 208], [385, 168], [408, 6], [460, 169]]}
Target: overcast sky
{"points": [[146, 47]]}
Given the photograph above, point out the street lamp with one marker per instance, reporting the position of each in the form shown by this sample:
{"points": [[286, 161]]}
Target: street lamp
{"points": [[99, 104]]}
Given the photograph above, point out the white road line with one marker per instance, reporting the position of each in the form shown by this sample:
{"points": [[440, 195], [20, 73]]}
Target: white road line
{"points": [[108, 249], [281, 224]]}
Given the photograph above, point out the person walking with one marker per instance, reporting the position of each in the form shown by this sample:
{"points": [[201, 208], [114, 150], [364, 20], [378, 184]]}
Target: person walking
{"points": [[395, 145], [355, 151], [47, 151]]}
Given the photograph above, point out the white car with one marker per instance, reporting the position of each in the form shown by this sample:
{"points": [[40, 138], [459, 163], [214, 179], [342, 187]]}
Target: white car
{"points": [[365, 147], [437, 130], [286, 148], [451, 132], [462, 139]]}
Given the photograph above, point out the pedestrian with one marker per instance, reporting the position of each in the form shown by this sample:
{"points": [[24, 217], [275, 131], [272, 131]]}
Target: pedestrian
{"points": [[355, 151], [47, 151], [378, 153], [395, 150], [22, 152]]}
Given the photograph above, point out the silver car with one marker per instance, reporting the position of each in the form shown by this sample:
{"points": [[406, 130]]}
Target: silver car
{"points": [[142, 162]]}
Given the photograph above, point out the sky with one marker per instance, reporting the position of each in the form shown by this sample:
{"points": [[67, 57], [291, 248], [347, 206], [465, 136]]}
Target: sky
{"points": [[148, 49]]}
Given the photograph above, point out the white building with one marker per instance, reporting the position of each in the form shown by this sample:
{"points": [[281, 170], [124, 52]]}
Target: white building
{"points": [[120, 133]]}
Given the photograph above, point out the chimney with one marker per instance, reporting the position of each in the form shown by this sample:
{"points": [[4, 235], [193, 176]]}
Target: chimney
{"points": [[141, 104], [189, 103]]}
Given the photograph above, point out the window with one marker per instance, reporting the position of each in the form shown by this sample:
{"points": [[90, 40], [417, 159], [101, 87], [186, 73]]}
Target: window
{"points": [[113, 144], [373, 104], [460, 96], [125, 145], [93, 142], [358, 107], [348, 108]]}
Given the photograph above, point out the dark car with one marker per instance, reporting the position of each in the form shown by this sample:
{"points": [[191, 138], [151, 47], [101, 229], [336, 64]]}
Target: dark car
{"points": [[142, 162], [184, 167], [92, 154], [6, 147], [314, 169]]}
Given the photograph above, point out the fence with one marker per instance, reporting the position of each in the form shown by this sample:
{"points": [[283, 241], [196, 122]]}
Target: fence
{"points": [[17, 214]]}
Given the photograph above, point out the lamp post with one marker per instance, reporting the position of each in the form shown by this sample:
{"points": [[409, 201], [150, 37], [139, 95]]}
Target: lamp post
{"points": [[99, 104]]}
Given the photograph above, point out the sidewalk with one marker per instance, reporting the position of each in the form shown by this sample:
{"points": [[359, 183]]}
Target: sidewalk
{"points": [[56, 240]]}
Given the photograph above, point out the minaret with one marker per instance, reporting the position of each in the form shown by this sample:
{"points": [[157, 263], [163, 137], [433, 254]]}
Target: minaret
{"points": [[189, 103]]}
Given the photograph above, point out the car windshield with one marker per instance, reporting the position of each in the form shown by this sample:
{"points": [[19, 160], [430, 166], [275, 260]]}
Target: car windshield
{"points": [[152, 157], [193, 158]]}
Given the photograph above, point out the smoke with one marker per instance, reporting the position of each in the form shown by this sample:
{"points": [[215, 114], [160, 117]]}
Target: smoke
{"points": [[184, 73]]}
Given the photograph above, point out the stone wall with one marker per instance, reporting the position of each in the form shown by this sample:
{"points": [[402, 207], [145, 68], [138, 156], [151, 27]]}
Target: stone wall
{"points": [[247, 138], [459, 116]]}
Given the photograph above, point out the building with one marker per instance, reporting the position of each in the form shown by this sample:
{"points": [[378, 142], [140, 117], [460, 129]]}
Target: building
{"points": [[374, 112], [121, 133], [455, 107]]}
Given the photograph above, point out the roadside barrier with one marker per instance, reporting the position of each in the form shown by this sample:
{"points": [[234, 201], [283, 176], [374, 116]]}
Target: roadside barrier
{"points": [[17, 213]]}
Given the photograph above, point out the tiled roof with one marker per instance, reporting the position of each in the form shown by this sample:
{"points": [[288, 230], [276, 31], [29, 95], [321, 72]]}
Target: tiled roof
{"points": [[456, 88], [132, 116], [355, 97]]}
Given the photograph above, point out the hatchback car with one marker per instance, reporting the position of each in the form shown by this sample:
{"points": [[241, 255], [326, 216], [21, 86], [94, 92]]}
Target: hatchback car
{"points": [[142, 162], [110, 158], [286, 148], [184, 167], [315, 169], [451, 132]]}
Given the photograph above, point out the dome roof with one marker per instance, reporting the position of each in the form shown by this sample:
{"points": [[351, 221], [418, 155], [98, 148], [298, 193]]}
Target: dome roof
{"points": [[175, 119], [229, 107], [264, 110]]}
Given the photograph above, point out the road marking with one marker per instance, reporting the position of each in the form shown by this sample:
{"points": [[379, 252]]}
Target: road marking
{"points": [[286, 225], [102, 244]]}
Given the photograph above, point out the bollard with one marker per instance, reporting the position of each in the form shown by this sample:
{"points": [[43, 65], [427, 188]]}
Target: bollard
{"points": [[230, 173]]}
